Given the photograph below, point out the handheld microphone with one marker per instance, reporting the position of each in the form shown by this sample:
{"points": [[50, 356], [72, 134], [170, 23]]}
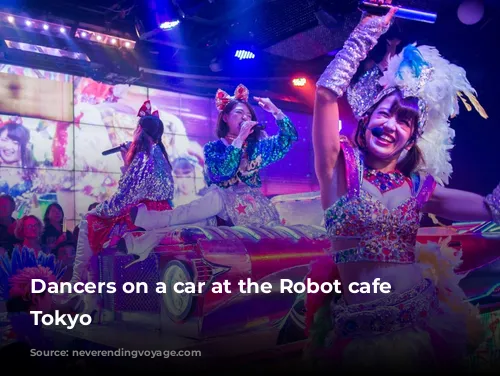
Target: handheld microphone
{"points": [[377, 131], [409, 14], [115, 149], [261, 125]]}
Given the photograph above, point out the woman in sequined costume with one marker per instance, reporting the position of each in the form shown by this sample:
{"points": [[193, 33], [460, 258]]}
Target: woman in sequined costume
{"points": [[232, 165], [373, 190], [147, 178]]}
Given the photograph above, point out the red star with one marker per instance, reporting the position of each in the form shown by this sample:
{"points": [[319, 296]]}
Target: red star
{"points": [[241, 208]]}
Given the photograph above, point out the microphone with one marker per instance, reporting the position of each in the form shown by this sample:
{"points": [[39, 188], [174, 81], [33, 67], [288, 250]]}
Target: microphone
{"points": [[261, 125], [377, 131], [406, 13], [115, 149]]}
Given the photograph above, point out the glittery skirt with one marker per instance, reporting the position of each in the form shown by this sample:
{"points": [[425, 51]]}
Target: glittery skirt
{"points": [[102, 229], [410, 330], [428, 326], [246, 206]]}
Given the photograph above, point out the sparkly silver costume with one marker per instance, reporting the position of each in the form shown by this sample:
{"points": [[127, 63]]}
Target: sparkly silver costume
{"points": [[149, 177], [339, 73]]}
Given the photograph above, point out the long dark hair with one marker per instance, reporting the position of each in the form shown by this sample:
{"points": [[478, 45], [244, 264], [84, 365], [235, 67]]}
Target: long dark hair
{"points": [[222, 129], [21, 135], [404, 109], [46, 220], [151, 126]]}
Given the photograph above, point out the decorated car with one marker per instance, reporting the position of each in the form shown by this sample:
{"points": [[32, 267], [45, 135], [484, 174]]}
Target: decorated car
{"points": [[218, 262]]}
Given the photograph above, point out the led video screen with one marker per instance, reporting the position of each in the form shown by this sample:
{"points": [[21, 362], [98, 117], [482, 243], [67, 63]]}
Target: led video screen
{"points": [[54, 128]]}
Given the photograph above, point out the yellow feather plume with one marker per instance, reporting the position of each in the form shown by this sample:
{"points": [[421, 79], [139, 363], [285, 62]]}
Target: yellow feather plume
{"points": [[476, 104]]}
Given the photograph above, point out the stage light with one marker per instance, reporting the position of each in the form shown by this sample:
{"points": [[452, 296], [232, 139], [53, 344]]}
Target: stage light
{"points": [[35, 25], [299, 81], [243, 54], [169, 25], [155, 17], [109, 40], [44, 50]]}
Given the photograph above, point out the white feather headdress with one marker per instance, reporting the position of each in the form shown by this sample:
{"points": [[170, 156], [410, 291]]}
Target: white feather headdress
{"points": [[423, 73]]}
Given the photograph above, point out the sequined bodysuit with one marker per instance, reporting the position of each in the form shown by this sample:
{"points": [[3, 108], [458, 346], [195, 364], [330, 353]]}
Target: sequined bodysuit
{"points": [[148, 179], [383, 235], [235, 171], [226, 165]]}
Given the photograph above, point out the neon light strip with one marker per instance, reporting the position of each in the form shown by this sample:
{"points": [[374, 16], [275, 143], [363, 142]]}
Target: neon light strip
{"points": [[247, 231], [486, 294], [288, 231]]}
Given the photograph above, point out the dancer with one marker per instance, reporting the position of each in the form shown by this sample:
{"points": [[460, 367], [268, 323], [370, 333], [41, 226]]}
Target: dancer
{"points": [[147, 178], [232, 166], [373, 190]]}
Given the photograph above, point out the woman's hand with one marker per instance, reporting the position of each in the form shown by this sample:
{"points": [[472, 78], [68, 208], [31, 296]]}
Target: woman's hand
{"points": [[267, 105], [246, 129], [386, 19], [124, 150]]}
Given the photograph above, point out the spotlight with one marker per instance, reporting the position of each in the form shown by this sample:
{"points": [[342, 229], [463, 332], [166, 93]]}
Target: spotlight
{"points": [[45, 27], [28, 23], [62, 29], [243, 54], [113, 41], [169, 25], [10, 19], [127, 44], [83, 34], [299, 81], [99, 38], [154, 17]]}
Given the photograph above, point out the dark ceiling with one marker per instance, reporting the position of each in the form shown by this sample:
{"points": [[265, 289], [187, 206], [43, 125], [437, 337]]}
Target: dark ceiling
{"points": [[288, 37]]}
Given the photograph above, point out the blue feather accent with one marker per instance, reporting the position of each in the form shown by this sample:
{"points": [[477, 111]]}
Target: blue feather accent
{"points": [[25, 258], [413, 59]]}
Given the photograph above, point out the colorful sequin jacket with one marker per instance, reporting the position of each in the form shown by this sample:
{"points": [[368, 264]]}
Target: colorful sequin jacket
{"points": [[383, 235], [148, 177], [226, 165]]}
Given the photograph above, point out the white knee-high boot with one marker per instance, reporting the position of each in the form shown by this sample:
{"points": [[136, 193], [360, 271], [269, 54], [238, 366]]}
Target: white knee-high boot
{"points": [[83, 254], [158, 223], [199, 210], [85, 267]]}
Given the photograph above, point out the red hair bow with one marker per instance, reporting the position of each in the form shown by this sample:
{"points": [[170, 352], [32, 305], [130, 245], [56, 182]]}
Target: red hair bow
{"points": [[145, 110], [222, 98]]}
